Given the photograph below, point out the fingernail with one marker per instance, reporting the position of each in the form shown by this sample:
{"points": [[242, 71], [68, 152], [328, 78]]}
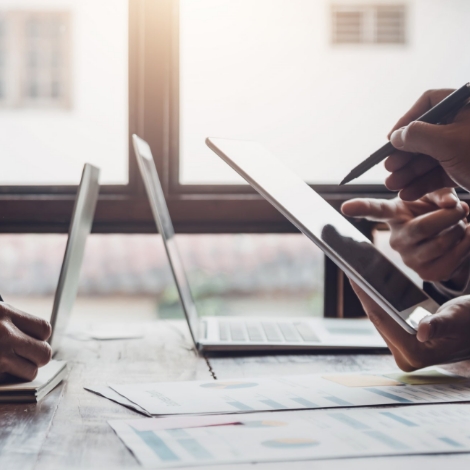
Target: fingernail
{"points": [[397, 138]]}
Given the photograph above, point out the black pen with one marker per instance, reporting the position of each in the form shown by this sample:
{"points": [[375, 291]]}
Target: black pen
{"points": [[435, 115]]}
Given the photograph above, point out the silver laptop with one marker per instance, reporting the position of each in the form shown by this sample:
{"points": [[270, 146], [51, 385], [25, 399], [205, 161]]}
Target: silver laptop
{"points": [[80, 227], [232, 333]]}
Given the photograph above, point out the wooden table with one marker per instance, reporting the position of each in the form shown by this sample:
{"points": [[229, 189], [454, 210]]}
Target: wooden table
{"points": [[69, 429]]}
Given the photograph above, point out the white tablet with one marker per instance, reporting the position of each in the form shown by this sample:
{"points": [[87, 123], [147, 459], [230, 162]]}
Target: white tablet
{"points": [[403, 300]]}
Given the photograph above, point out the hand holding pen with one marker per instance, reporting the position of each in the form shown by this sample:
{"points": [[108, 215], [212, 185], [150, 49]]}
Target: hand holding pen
{"points": [[425, 156], [428, 156]]}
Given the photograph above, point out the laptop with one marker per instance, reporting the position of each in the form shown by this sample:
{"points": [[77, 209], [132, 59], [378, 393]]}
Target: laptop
{"points": [[237, 333], [80, 227]]}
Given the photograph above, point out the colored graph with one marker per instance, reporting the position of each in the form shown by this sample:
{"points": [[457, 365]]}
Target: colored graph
{"points": [[263, 424], [228, 385], [290, 443]]}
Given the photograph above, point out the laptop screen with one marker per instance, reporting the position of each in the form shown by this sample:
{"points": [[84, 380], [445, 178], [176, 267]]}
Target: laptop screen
{"points": [[165, 227], [80, 227]]}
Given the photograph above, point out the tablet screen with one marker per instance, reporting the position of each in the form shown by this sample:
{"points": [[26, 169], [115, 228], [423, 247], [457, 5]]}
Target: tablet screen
{"points": [[314, 216]]}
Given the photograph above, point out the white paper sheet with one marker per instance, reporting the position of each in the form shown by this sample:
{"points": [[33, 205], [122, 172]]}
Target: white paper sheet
{"points": [[297, 392], [110, 394], [297, 435]]}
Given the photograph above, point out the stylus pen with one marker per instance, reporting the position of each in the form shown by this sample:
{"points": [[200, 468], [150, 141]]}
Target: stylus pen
{"points": [[435, 115]]}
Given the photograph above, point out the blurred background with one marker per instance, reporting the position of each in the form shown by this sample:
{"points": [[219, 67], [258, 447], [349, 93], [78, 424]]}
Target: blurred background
{"points": [[293, 74]]}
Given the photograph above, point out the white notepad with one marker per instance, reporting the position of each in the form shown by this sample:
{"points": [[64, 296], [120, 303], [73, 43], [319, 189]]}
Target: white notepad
{"points": [[47, 379]]}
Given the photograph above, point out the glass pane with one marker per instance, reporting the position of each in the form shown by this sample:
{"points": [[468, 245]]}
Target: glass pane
{"points": [[64, 90], [128, 276], [268, 70]]}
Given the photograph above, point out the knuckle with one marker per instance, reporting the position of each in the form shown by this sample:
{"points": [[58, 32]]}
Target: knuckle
{"points": [[45, 356], [3, 363], [5, 331], [416, 230], [395, 242], [32, 373], [46, 329]]}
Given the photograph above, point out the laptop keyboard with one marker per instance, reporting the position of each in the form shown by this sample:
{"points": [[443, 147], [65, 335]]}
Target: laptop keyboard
{"points": [[271, 332]]}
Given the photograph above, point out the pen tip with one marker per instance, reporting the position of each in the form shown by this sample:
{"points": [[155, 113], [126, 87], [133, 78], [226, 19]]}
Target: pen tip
{"points": [[343, 182]]}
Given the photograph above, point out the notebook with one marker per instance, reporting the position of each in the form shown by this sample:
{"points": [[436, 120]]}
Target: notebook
{"points": [[49, 376]]}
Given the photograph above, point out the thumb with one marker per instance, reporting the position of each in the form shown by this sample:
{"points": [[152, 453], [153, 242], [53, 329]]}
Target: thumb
{"points": [[421, 137], [449, 321]]}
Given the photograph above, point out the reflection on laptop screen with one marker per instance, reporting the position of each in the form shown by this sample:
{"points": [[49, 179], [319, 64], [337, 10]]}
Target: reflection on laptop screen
{"points": [[165, 227]]}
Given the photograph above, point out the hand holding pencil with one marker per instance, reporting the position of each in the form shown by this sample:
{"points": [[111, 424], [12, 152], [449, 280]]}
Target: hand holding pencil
{"points": [[429, 157], [420, 145]]}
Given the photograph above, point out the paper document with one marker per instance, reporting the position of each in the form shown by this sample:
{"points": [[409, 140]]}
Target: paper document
{"points": [[297, 392], [294, 435], [49, 376], [110, 394]]}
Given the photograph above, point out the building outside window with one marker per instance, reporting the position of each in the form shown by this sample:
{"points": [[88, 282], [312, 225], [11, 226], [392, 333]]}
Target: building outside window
{"points": [[369, 24], [35, 59]]}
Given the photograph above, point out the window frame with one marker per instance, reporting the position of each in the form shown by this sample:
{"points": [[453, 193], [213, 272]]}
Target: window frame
{"points": [[154, 116]]}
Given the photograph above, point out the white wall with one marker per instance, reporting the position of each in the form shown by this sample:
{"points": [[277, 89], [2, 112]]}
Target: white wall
{"points": [[266, 70], [50, 146]]}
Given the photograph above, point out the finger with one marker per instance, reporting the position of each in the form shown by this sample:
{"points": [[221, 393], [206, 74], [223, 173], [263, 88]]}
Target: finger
{"points": [[394, 333], [432, 181], [398, 160], [428, 100], [429, 139], [440, 245], [29, 324], [372, 209], [445, 198], [418, 166], [446, 265], [445, 323], [429, 225], [19, 367], [377, 316], [35, 351]]}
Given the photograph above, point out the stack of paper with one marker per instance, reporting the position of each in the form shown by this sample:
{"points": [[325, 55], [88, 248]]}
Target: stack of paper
{"points": [[294, 435], [47, 379], [291, 392]]}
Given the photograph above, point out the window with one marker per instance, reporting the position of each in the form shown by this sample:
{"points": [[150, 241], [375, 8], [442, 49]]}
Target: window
{"points": [[64, 91], [35, 59], [176, 71], [369, 24]]}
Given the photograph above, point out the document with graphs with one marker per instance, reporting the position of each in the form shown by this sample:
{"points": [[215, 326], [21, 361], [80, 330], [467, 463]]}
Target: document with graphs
{"points": [[296, 435], [297, 392]]}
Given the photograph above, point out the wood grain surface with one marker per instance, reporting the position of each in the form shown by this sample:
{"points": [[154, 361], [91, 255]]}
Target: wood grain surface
{"points": [[69, 429]]}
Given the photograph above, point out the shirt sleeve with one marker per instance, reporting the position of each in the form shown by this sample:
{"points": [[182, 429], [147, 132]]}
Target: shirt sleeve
{"points": [[451, 293]]}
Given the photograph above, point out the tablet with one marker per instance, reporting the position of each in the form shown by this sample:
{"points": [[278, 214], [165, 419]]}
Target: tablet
{"points": [[346, 246]]}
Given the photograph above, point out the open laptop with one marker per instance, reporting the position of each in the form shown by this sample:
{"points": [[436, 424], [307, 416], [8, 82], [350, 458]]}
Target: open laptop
{"points": [[80, 227], [232, 333]]}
